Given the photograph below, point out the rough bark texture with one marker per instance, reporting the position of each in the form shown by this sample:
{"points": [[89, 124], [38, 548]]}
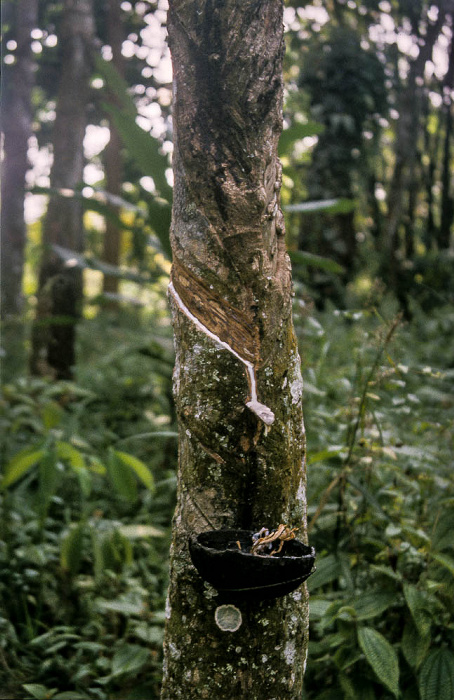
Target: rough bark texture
{"points": [[113, 156], [60, 283], [232, 274], [17, 129]]}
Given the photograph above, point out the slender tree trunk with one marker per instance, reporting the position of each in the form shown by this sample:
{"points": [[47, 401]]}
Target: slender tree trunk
{"points": [[239, 466], [113, 152], [60, 283], [408, 130], [17, 129], [447, 193]]}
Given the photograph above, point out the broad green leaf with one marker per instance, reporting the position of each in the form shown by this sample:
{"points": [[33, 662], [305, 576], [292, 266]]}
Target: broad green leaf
{"points": [[122, 477], [96, 466], [436, 679], [143, 148], [445, 561], [141, 469], [76, 460], [328, 569], [301, 257], [52, 414], [20, 464], [418, 605], [70, 454], [318, 607], [149, 634], [159, 217], [414, 645], [71, 695], [323, 455], [370, 605], [38, 691], [381, 656], [130, 658], [442, 536], [71, 550]]}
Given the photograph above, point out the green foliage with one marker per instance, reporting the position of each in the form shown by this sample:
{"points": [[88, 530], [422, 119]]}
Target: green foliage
{"points": [[87, 494], [381, 504]]}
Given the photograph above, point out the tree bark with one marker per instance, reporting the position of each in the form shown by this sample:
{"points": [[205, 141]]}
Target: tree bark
{"points": [[239, 465], [408, 131], [447, 192], [113, 153], [60, 283], [17, 129], [18, 82]]}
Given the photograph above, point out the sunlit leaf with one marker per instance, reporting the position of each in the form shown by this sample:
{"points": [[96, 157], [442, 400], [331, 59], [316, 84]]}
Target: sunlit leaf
{"points": [[140, 469], [20, 464]]}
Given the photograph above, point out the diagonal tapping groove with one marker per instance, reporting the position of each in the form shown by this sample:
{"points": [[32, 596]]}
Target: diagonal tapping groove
{"points": [[225, 325]]}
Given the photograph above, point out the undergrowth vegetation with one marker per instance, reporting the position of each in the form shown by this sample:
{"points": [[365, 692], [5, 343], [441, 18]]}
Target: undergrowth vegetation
{"points": [[88, 493]]}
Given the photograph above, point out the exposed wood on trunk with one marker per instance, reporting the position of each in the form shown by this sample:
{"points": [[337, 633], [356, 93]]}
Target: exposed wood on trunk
{"points": [[236, 469], [60, 284]]}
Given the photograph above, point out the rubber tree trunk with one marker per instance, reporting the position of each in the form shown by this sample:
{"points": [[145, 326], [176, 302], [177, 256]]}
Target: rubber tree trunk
{"points": [[407, 135], [113, 160], [18, 82], [237, 378], [17, 129], [447, 193], [60, 282]]}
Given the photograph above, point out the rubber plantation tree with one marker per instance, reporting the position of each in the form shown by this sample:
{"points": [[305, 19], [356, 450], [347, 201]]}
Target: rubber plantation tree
{"points": [[60, 282], [20, 19], [237, 378]]}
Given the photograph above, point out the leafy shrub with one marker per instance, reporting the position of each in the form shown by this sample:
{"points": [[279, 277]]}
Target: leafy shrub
{"points": [[381, 508]]}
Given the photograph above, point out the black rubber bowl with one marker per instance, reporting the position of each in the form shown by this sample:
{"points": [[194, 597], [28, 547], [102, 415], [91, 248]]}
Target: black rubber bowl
{"points": [[242, 575]]}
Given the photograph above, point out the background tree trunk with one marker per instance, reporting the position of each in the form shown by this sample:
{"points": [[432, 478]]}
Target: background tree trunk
{"points": [[232, 273], [113, 153], [17, 129], [408, 131], [60, 283]]}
